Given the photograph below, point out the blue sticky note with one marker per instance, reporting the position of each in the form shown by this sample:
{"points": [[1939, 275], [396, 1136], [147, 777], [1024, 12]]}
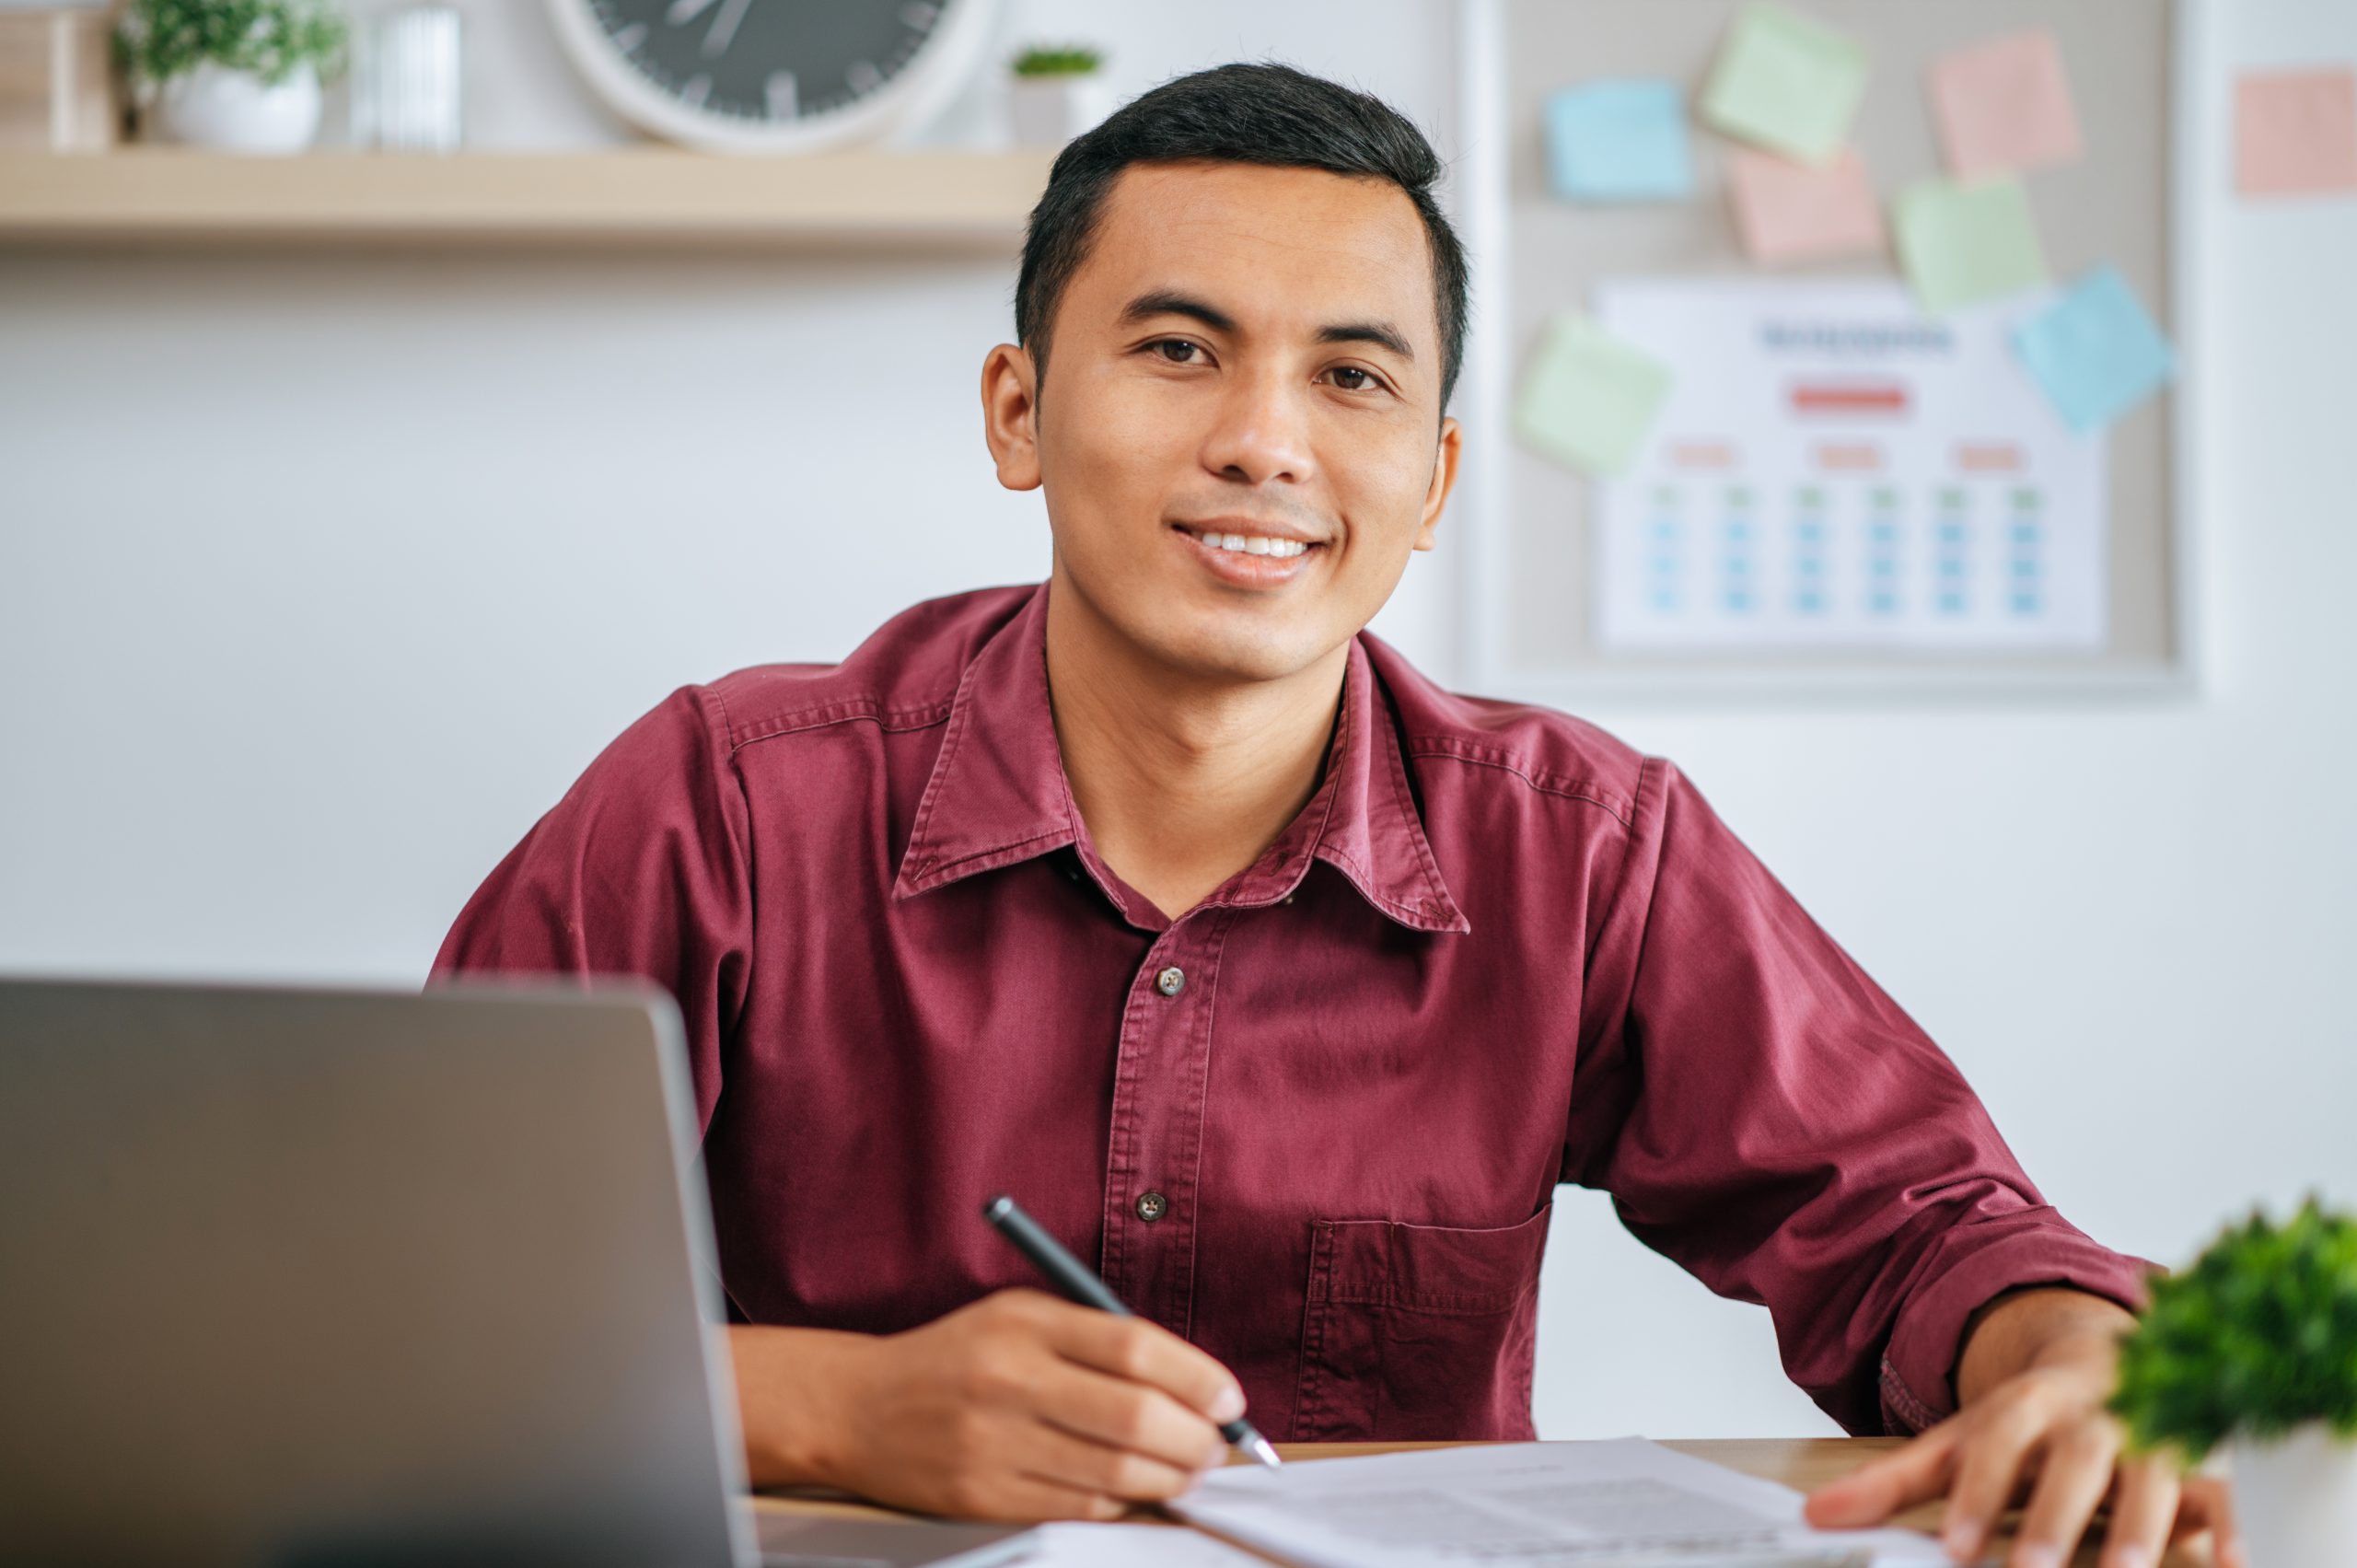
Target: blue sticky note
{"points": [[1618, 141], [2096, 350]]}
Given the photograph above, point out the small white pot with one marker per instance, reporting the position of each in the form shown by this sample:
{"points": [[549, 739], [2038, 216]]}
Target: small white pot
{"points": [[1047, 111], [2296, 1498], [234, 112]]}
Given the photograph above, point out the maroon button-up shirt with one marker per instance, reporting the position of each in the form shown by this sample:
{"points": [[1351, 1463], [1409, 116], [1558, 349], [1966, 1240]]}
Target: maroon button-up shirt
{"points": [[1314, 1124]]}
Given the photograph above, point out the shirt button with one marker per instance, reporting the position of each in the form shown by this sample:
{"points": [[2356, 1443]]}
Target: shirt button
{"points": [[1152, 1206], [1170, 983]]}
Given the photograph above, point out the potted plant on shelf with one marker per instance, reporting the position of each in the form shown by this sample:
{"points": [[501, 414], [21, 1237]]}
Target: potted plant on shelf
{"points": [[2254, 1350], [1056, 94], [243, 75]]}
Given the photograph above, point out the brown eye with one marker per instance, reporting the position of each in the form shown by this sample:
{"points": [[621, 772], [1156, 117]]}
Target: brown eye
{"points": [[1365, 380], [1166, 344]]}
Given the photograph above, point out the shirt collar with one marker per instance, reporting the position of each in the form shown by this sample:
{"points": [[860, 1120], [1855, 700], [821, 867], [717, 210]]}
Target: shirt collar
{"points": [[998, 794]]}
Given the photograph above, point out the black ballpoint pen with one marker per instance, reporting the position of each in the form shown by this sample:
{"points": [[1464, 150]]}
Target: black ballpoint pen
{"points": [[1080, 1282]]}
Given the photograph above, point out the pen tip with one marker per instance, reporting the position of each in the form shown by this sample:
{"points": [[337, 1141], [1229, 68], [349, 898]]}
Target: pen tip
{"points": [[1265, 1453]]}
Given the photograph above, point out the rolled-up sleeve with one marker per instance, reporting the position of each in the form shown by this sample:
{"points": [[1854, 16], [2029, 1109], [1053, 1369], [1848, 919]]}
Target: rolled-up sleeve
{"points": [[1765, 1116], [640, 870]]}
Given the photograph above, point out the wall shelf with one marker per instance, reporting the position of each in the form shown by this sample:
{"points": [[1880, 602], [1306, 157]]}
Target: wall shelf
{"points": [[639, 196]]}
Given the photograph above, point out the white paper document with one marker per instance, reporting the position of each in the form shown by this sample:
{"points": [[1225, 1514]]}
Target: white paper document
{"points": [[1836, 468], [1626, 1502]]}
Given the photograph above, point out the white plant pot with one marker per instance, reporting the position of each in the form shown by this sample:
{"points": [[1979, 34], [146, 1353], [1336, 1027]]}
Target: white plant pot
{"points": [[1047, 111], [234, 112], [2296, 1498]]}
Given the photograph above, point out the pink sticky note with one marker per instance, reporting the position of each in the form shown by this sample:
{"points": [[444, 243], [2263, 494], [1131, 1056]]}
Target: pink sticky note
{"points": [[2295, 131], [2003, 106], [1790, 212]]}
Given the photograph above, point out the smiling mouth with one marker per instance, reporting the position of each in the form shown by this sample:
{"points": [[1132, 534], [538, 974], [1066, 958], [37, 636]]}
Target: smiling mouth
{"points": [[1248, 544]]}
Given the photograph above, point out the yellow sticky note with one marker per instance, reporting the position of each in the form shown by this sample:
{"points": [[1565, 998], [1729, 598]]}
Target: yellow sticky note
{"points": [[1588, 398], [1786, 82], [1965, 243]]}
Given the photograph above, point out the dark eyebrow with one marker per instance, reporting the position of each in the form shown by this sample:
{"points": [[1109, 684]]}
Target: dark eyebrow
{"points": [[1169, 302], [1383, 334]]}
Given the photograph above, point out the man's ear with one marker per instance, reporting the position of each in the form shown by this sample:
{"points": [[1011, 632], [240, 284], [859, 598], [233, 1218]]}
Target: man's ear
{"points": [[1452, 446], [1011, 415]]}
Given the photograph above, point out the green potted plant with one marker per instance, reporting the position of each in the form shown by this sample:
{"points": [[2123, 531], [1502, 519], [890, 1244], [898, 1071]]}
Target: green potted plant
{"points": [[1055, 94], [2254, 1350], [243, 75]]}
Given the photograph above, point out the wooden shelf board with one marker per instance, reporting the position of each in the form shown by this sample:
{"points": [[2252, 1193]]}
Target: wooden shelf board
{"points": [[926, 200]]}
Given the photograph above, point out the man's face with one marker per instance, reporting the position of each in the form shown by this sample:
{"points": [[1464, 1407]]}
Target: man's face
{"points": [[1249, 355]]}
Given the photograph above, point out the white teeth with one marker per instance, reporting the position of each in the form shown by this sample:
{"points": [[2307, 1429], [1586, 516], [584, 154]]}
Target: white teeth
{"points": [[1253, 544]]}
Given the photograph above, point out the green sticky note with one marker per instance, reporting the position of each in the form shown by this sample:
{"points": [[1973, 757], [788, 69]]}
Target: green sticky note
{"points": [[1961, 244], [1786, 82], [1587, 398]]}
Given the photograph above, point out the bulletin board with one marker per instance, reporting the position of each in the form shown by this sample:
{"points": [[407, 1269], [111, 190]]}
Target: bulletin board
{"points": [[1530, 585]]}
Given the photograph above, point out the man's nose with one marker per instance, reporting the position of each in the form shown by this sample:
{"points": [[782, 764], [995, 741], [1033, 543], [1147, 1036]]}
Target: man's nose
{"points": [[1262, 434]]}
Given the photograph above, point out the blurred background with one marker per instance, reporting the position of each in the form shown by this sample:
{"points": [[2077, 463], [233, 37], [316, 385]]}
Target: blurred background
{"points": [[331, 552]]}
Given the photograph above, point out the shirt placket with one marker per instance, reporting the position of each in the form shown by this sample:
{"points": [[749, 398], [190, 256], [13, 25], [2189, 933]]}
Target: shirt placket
{"points": [[1152, 1185]]}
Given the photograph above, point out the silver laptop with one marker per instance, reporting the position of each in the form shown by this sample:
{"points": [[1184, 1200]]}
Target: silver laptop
{"points": [[306, 1278]]}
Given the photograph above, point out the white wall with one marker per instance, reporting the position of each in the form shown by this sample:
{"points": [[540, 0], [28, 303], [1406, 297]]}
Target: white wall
{"points": [[321, 576]]}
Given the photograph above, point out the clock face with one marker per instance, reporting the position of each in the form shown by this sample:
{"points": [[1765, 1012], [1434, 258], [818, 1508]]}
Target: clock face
{"points": [[774, 74], [772, 60]]}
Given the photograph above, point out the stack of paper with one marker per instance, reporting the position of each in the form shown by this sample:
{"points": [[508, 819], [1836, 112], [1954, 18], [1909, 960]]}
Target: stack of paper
{"points": [[1610, 1505]]}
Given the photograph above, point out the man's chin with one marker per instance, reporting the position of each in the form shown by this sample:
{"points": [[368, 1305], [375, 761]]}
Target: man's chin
{"points": [[1236, 649]]}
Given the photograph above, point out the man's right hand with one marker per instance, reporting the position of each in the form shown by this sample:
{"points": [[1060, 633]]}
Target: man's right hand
{"points": [[1020, 1406]]}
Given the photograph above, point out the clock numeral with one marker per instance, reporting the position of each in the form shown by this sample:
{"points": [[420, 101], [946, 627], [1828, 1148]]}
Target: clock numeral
{"points": [[695, 90], [920, 15], [781, 94], [630, 37], [864, 76], [724, 29]]}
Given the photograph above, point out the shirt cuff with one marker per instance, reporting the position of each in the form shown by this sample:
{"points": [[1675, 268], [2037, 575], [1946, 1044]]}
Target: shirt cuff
{"points": [[1926, 1344]]}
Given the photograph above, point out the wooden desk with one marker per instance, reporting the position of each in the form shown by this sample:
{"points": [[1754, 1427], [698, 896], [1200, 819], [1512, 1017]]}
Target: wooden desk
{"points": [[1803, 1463]]}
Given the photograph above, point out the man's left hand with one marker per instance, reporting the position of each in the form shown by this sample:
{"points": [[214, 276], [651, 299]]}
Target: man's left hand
{"points": [[2041, 1430]]}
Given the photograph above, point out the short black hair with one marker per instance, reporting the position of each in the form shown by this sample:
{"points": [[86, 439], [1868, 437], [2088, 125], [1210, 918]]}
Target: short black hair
{"points": [[1248, 112]]}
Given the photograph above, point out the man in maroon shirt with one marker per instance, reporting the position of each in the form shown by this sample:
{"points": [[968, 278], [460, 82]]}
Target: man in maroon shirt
{"points": [[1282, 984]]}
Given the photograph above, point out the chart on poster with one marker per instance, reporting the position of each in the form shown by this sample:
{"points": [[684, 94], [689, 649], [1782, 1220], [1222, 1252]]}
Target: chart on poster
{"points": [[1836, 468]]}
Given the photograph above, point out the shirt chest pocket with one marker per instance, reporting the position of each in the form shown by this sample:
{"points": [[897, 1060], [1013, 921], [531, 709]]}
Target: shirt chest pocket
{"points": [[1418, 1331]]}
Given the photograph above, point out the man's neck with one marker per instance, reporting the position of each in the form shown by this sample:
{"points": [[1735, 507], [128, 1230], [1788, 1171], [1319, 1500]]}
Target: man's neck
{"points": [[1182, 782]]}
